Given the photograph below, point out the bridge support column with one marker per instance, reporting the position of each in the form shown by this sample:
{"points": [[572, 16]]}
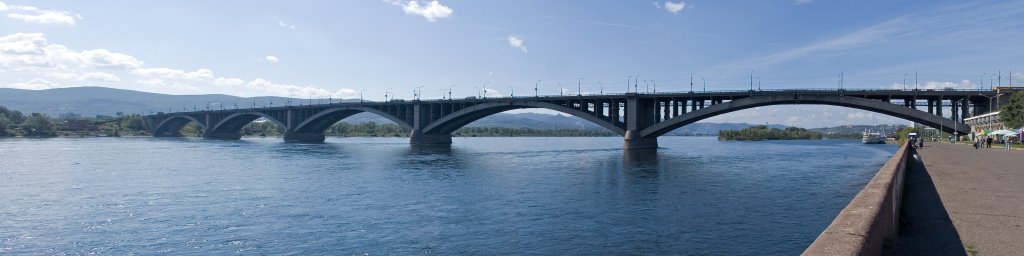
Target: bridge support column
{"points": [[634, 141], [422, 116], [641, 113], [304, 137], [417, 138]]}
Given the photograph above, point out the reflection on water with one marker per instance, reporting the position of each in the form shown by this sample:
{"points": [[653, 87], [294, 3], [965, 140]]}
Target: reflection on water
{"points": [[382, 196]]}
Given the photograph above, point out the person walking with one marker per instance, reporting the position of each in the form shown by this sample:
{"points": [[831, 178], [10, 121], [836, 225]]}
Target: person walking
{"points": [[1006, 143], [988, 142]]}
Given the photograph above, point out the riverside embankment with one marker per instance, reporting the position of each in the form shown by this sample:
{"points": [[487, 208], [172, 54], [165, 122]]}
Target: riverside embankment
{"points": [[943, 199]]}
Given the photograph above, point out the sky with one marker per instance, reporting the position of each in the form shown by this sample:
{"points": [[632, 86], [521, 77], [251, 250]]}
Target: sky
{"points": [[373, 48]]}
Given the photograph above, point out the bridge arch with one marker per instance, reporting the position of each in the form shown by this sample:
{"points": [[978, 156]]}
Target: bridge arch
{"points": [[171, 126], [319, 122], [451, 122], [877, 106], [230, 127]]}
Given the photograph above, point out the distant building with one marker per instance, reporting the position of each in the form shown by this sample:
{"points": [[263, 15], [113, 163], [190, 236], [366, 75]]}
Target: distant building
{"points": [[989, 121]]}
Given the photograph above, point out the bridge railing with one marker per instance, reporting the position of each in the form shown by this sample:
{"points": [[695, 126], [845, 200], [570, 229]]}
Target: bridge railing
{"points": [[872, 217]]}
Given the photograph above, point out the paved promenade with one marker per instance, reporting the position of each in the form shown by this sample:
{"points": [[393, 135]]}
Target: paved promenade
{"points": [[981, 190]]}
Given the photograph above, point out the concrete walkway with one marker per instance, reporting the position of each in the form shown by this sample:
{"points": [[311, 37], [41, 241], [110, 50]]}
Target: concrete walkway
{"points": [[982, 191]]}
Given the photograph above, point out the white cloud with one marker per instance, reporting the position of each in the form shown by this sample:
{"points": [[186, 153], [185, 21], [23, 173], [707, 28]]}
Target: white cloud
{"points": [[285, 25], [3, 6], [151, 82], [801, 2], [517, 43], [31, 52], [105, 59], [35, 15], [271, 59], [674, 8], [224, 81], [87, 77], [936, 85], [34, 84], [289, 90], [199, 74], [432, 10]]}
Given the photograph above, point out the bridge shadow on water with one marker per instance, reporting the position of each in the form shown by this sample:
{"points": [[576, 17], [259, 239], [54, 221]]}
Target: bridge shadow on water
{"points": [[925, 226]]}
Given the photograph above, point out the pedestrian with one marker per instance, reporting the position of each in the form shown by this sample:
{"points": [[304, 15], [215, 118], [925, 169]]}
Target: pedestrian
{"points": [[920, 143], [975, 143], [1006, 143], [988, 142]]}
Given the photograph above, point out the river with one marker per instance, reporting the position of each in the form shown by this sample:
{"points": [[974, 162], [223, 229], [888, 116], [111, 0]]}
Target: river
{"points": [[380, 196]]}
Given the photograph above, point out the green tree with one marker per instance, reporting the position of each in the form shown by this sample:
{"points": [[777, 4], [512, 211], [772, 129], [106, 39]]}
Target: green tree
{"points": [[4, 122], [1012, 114], [39, 125]]}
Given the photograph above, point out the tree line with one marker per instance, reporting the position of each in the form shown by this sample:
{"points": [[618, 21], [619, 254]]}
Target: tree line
{"points": [[13, 123], [762, 132]]}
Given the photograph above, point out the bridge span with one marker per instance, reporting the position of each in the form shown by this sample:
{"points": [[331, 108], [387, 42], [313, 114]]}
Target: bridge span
{"points": [[639, 117]]}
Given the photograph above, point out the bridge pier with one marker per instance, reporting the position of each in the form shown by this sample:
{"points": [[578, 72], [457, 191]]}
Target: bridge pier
{"points": [[305, 137], [417, 138], [632, 140]]}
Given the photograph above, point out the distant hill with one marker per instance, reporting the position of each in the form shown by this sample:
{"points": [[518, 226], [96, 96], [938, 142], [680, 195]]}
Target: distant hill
{"points": [[92, 101]]}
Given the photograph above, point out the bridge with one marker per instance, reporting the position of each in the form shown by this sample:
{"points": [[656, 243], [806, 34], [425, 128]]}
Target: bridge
{"points": [[638, 117]]}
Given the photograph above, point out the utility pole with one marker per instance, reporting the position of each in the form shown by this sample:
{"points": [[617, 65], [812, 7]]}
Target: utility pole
{"points": [[915, 81], [655, 84], [602, 87], [758, 82], [751, 80], [535, 93], [691, 82]]}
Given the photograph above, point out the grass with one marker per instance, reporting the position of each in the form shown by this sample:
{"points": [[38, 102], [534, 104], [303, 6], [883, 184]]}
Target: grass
{"points": [[971, 251]]}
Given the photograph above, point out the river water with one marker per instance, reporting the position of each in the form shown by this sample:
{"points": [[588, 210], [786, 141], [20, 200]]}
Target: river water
{"points": [[380, 196]]}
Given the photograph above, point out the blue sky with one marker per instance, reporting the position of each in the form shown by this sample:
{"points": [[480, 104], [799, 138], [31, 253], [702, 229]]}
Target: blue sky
{"points": [[340, 49]]}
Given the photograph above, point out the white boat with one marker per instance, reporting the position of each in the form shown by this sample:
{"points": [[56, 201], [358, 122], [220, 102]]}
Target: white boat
{"points": [[872, 138]]}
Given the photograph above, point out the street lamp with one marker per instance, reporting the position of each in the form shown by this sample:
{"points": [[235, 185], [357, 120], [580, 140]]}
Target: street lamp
{"points": [[450, 91], [579, 87], [512, 91], [691, 82], [627, 83]]}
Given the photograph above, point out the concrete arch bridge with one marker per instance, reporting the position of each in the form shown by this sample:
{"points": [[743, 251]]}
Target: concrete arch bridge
{"points": [[639, 118]]}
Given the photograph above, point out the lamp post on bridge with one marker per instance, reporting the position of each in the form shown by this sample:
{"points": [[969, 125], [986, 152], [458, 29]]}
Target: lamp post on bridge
{"points": [[512, 91], [627, 83], [579, 87], [450, 91], [635, 82], [535, 93]]}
